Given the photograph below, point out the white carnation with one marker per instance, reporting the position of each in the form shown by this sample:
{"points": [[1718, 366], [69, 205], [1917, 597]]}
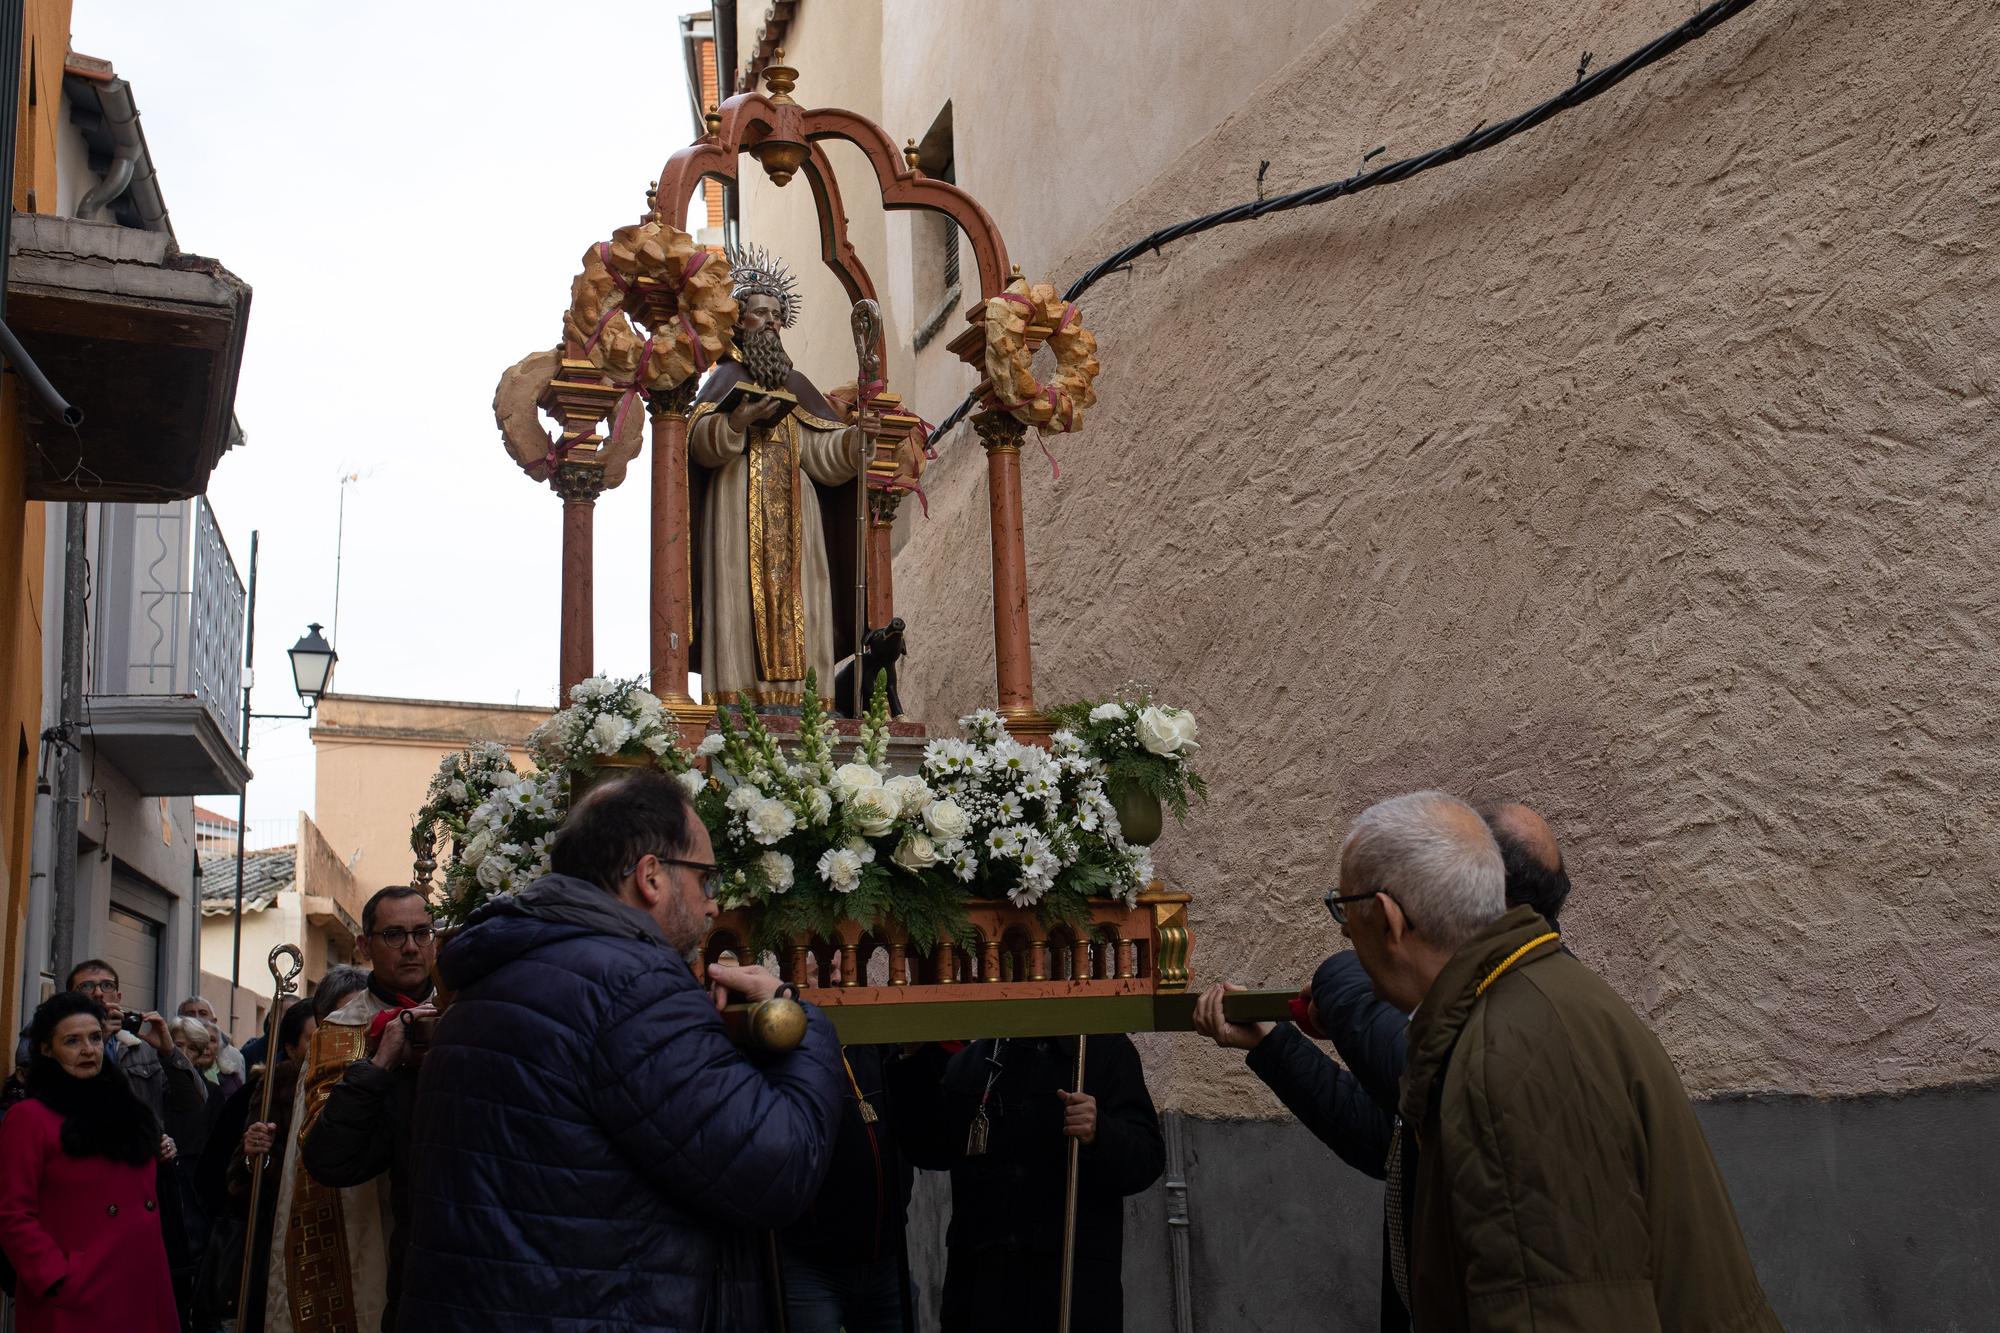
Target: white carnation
{"points": [[609, 733], [711, 745], [841, 869], [691, 782], [770, 821], [743, 796], [776, 868], [1108, 713]]}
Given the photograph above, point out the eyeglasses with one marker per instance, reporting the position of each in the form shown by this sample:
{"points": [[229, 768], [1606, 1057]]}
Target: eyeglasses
{"points": [[711, 874], [395, 936], [97, 987], [1336, 904]]}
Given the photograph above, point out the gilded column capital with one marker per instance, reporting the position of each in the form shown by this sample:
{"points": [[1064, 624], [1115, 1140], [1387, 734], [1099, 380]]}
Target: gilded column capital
{"points": [[577, 480], [999, 432], [882, 504], [673, 402]]}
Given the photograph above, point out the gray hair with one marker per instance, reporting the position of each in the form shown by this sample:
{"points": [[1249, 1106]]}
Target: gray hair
{"points": [[191, 1030], [336, 988], [1435, 856]]}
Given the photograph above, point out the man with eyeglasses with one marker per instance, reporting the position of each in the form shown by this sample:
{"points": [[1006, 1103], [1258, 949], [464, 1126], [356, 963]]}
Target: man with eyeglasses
{"points": [[356, 1145], [1351, 1106], [591, 1149]]}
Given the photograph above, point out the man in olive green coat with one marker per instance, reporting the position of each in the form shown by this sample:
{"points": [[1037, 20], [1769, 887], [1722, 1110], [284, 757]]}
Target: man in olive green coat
{"points": [[1559, 1179]]}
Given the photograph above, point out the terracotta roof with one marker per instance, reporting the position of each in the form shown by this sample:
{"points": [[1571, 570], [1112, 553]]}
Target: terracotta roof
{"points": [[266, 874]]}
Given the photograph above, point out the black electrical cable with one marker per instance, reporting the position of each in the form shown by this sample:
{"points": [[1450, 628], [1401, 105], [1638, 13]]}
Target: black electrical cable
{"points": [[1478, 139]]}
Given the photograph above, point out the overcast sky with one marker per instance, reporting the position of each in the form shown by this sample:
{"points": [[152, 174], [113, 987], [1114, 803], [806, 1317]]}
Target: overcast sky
{"points": [[408, 189]]}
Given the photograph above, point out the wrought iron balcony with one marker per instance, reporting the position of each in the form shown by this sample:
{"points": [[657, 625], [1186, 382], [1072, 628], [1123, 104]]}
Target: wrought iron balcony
{"points": [[165, 705]]}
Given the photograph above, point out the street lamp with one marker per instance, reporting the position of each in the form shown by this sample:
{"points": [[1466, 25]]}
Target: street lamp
{"points": [[312, 666], [312, 672]]}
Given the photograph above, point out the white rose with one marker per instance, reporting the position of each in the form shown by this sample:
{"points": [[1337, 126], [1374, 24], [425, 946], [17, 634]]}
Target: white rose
{"points": [[609, 733], [915, 852], [946, 819], [711, 745], [770, 821], [777, 870], [911, 793], [852, 778], [1165, 730], [691, 782], [492, 873], [873, 811]]}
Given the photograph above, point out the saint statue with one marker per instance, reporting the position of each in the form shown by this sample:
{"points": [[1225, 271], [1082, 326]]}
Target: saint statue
{"points": [[772, 501]]}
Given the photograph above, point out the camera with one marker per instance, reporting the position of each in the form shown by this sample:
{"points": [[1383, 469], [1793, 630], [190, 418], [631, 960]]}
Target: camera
{"points": [[133, 1021]]}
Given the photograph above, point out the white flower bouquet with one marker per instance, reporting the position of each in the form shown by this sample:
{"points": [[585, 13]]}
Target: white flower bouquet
{"points": [[1038, 828], [609, 720], [805, 841], [1142, 746], [499, 822]]}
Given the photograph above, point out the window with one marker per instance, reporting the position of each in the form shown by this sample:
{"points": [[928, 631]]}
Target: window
{"points": [[934, 240]]}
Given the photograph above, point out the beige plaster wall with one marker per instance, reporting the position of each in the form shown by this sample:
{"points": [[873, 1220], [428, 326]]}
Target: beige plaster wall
{"points": [[373, 760], [1642, 469]]}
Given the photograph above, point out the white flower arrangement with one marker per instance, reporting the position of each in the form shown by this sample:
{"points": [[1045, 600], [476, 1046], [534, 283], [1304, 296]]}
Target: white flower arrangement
{"points": [[1146, 746], [608, 719], [499, 823]]}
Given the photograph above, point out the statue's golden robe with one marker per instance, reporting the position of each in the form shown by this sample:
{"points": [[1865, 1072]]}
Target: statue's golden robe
{"points": [[767, 599]]}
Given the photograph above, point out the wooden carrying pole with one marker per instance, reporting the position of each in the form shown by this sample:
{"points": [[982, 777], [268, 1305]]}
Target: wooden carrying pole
{"points": [[866, 322], [283, 984], [1069, 1204]]}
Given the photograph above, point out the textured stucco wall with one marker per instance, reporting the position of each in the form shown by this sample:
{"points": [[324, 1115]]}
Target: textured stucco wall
{"points": [[1640, 469]]}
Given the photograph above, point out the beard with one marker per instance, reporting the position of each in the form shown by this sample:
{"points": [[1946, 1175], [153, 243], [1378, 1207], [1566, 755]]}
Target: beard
{"points": [[764, 358]]}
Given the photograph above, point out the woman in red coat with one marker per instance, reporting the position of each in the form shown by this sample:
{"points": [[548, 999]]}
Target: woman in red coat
{"points": [[79, 1187]]}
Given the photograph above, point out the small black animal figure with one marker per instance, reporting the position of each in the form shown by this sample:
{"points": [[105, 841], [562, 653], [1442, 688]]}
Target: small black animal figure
{"points": [[880, 652]]}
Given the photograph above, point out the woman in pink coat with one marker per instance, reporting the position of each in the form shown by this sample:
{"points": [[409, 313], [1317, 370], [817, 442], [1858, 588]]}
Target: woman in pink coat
{"points": [[79, 1187]]}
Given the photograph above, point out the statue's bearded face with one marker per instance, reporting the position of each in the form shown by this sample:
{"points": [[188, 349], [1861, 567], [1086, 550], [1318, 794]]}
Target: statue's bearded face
{"points": [[758, 339]]}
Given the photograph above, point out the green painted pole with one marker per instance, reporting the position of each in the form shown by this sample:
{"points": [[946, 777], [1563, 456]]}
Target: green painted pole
{"points": [[1059, 1016]]}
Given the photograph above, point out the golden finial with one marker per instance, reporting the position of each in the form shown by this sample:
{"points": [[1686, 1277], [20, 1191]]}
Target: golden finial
{"points": [[713, 119], [1016, 273], [780, 78], [910, 154]]}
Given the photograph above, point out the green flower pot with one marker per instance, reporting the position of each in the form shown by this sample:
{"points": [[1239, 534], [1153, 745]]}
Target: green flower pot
{"points": [[1139, 815]]}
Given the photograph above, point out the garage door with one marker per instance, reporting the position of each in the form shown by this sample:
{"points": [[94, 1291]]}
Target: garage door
{"points": [[132, 945]]}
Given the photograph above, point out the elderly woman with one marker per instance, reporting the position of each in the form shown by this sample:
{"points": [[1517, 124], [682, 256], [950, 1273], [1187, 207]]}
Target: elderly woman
{"points": [[79, 1186]]}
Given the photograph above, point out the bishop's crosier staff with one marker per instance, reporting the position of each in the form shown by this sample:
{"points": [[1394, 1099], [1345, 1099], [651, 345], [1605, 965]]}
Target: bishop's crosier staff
{"points": [[283, 984], [866, 321]]}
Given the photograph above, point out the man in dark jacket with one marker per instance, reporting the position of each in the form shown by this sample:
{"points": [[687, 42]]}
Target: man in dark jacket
{"points": [[999, 1116], [1353, 1109], [590, 1149], [1563, 1180]]}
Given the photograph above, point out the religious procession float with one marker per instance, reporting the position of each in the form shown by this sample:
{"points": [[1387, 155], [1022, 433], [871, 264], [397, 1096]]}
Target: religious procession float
{"points": [[992, 882]]}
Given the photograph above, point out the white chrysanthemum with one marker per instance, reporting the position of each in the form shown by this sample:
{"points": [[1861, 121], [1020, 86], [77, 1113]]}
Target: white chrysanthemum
{"points": [[964, 864], [1028, 892], [691, 782], [711, 745], [776, 868], [609, 733], [1108, 713], [1008, 809], [1038, 859], [770, 821]]}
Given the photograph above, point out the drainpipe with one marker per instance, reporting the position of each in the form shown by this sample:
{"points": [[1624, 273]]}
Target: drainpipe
{"points": [[131, 170], [1177, 1223], [10, 102], [69, 751]]}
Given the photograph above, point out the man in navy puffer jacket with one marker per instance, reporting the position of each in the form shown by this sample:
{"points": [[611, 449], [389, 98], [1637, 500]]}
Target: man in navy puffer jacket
{"points": [[590, 1150]]}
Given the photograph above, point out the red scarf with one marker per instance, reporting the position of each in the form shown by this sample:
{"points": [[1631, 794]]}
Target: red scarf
{"points": [[397, 1002]]}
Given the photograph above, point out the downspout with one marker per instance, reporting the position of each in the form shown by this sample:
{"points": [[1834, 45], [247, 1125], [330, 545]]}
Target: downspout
{"points": [[69, 743], [131, 165], [1177, 1223]]}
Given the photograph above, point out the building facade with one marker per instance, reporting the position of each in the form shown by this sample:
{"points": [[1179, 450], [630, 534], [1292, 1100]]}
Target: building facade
{"points": [[136, 588], [1638, 469], [373, 760]]}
